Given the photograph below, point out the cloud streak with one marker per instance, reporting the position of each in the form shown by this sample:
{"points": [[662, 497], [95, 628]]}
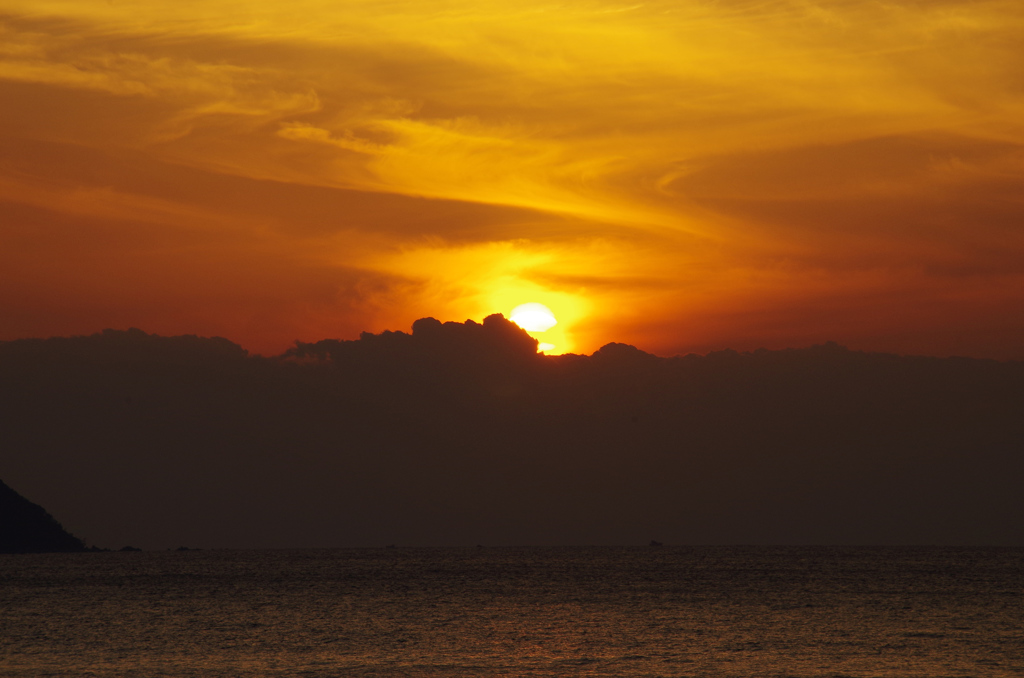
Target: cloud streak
{"points": [[739, 157]]}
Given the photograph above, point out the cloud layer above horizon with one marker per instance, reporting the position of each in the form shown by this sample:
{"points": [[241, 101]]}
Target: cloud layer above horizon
{"points": [[682, 176]]}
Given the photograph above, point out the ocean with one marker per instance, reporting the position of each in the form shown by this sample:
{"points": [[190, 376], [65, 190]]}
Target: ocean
{"points": [[451, 612]]}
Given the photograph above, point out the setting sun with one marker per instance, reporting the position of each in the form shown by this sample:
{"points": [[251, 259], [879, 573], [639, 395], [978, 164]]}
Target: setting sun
{"points": [[533, 317], [536, 319]]}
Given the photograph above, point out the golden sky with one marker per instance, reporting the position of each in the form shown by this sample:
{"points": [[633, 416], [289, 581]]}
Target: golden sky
{"points": [[682, 176]]}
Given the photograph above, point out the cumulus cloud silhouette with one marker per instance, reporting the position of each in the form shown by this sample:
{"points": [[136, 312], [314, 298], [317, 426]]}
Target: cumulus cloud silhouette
{"points": [[461, 433]]}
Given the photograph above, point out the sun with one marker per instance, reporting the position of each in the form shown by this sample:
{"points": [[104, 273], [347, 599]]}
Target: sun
{"points": [[536, 319], [533, 317]]}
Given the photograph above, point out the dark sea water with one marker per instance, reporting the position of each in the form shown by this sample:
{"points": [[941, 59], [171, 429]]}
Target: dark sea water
{"points": [[516, 612]]}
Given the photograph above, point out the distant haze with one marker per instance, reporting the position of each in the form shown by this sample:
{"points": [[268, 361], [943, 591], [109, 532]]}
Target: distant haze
{"points": [[462, 434]]}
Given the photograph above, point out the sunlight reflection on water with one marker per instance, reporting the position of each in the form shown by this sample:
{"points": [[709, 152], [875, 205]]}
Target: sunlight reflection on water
{"points": [[541, 612]]}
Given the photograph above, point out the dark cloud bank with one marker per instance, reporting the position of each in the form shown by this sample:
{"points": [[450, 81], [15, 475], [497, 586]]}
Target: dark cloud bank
{"points": [[462, 434]]}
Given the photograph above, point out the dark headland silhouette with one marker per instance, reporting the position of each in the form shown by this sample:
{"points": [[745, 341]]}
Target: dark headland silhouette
{"points": [[460, 433], [27, 528]]}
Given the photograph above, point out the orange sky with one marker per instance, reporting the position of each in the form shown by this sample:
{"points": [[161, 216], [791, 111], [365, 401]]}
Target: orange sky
{"points": [[682, 176]]}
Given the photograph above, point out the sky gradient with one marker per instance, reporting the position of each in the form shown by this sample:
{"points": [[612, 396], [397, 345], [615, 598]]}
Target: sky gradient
{"points": [[681, 176]]}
